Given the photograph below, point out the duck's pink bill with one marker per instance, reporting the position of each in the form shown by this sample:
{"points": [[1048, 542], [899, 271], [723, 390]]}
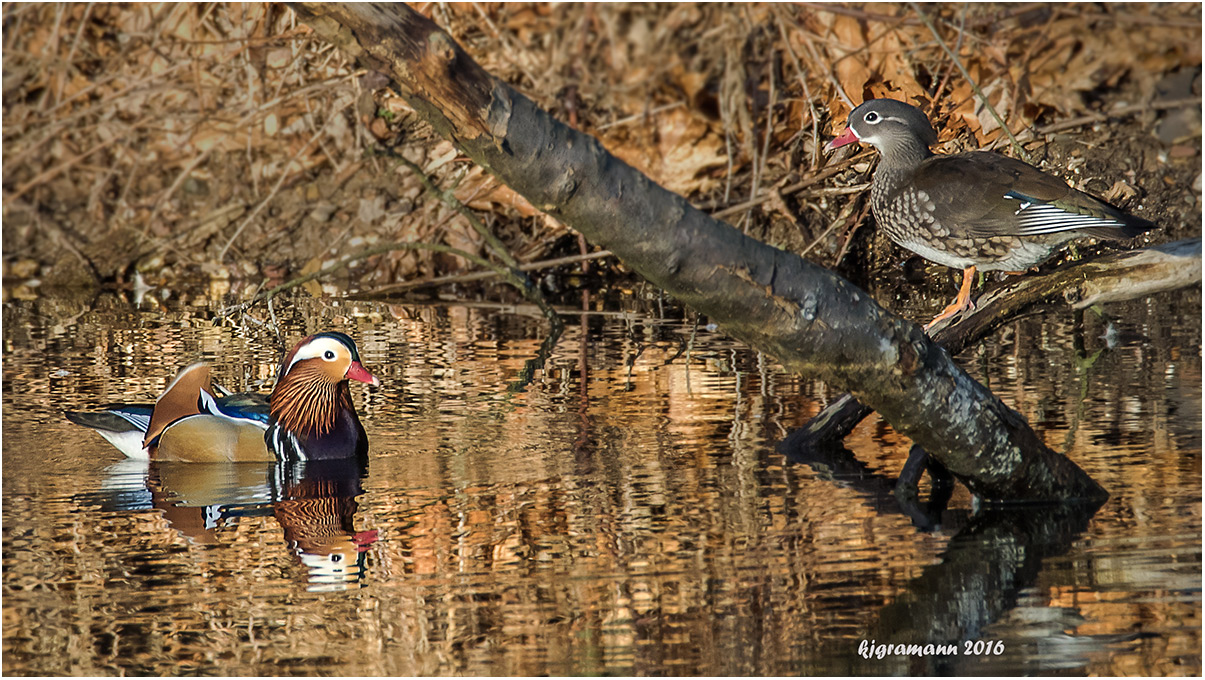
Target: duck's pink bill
{"points": [[356, 372], [848, 137]]}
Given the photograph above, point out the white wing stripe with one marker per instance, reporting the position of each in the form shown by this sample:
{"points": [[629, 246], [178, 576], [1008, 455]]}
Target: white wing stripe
{"points": [[1043, 218], [139, 421]]}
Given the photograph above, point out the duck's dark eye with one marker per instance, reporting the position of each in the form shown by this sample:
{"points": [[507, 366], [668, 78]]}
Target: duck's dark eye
{"points": [[336, 558], [871, 117], [329, 355]]}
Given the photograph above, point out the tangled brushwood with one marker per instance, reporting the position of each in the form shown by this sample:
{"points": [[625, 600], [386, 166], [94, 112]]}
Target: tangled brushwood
{"points": [[227, 140]]}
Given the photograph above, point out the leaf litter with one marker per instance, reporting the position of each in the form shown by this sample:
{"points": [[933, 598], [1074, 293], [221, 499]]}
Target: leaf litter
{"points": [[226, 139]]}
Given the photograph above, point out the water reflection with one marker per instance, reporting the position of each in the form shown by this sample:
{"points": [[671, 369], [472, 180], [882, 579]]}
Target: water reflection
{"points": [[627, 513], [313, 502]]}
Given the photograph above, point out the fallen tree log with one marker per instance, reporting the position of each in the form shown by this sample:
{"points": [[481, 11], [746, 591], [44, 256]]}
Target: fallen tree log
{"points": [[808, 318]]}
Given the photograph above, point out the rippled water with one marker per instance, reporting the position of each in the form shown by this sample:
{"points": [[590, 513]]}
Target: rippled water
{"points": [[626, 513]]}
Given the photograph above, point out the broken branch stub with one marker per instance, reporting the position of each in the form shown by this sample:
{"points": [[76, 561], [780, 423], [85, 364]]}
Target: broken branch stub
{"points": [[810, 319]]}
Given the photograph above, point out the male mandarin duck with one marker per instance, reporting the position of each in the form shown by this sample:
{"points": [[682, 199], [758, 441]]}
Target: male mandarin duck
{"points": [[308, 416], [971, 210]]}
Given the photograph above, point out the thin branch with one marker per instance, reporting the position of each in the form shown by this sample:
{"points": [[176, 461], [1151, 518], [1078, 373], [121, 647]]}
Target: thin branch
{"points": [[480, 275], [785, 191], [858, 14], [638, 116], [974, 86], [377, 249], [828, 71], [448, 197], [61, 167], [1190, 102], [511, 272], [843, 218], [807, 92], [284, 174]]}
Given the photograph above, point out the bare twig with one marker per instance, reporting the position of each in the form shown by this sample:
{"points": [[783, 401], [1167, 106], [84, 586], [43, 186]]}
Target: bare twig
{"points": [[1017, 148], [284, 174], [1119, 111], [479, 275], [857, 14], [957, 48], [828, 71], [511, 272], [759, 168], [449, 199], [849, 237], [52, 172], [807, 93], [79, 31], [640, 116], [377, 249], [180, 177], [785, 191], [841, 219]]}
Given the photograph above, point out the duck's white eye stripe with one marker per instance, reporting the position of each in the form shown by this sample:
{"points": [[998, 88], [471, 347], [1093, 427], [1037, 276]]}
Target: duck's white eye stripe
{"points": [[328, 349]]}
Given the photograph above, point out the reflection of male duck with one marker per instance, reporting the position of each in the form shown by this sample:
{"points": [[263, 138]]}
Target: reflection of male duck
{"points": [[313, 501], [318, 517], [309, 415]]}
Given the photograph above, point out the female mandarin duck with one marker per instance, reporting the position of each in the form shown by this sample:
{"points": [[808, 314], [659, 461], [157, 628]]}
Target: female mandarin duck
{"points": [[974, 209], [309, 415]]}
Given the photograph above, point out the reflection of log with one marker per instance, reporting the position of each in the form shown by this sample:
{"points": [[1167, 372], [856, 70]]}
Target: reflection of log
{"points": [[838, 465], [808, 318], [979, 577], [1109, 278]]}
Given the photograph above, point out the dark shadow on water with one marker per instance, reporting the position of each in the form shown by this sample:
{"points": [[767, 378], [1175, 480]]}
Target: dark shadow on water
{"points": [[983, 570]]}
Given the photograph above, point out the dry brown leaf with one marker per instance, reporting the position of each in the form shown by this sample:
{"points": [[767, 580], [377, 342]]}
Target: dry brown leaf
{"points": [[481, 191], [460, 235], [312, 287], [217, 134], [279, 57], [887, 57], [441, 154], [689, 148], [851, 71], [380, 128], [686, 148], [690, 81], [1120, 191]]}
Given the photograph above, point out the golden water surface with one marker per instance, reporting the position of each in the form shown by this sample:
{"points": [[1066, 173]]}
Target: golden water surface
{"points": [[625, 513]]}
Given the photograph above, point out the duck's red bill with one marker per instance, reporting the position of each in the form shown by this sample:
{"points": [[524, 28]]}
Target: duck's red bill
{"points": [[848, 137], [358, 373], [364, 539]]}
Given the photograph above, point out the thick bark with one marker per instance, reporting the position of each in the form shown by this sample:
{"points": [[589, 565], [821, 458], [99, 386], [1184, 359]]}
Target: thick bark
{"points": [[1110, 278], [808, 318]]}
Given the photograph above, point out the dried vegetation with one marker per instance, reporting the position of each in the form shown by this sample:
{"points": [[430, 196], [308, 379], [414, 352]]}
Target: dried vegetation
{"points": [[226, 139]]}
